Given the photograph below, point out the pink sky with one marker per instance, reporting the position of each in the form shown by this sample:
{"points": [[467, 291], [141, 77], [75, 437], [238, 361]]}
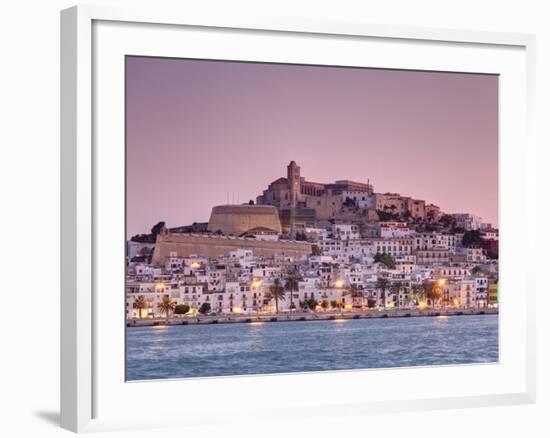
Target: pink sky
{"points": [[198, 130]]}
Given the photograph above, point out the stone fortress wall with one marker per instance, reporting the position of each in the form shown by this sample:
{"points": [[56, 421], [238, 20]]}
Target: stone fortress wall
{"points": [[211, 246], [239, 219]]}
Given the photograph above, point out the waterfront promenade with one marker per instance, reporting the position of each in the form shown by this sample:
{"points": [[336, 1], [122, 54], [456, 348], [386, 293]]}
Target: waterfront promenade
{"points": [[307, 316]]}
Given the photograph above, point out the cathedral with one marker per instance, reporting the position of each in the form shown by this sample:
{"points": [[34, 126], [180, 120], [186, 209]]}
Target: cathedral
{"points": [[305, 203]]}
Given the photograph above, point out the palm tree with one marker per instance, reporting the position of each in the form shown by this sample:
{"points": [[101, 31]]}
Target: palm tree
{"points": [[140, 303], [354, 289], [277, 292], [383, 284], [355, 292], [395, 288], [166, 305], [407, 291], [292, 286], [432, 291], [476, 270], [418, 293]]}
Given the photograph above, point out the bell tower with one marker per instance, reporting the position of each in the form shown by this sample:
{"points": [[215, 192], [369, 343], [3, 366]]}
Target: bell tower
{"points": [[293, 177]]}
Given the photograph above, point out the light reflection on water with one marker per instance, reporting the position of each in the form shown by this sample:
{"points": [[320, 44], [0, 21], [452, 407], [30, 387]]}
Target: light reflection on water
{"points": [[258, 348]]}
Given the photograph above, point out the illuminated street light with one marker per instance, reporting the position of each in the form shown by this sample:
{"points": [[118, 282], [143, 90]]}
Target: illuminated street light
{"points": [[256, 284]]}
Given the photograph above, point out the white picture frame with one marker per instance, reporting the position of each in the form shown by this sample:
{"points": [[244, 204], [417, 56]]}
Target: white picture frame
{"points": [[88, 395]]}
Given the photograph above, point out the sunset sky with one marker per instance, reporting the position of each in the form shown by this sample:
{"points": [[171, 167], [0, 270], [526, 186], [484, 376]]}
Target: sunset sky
{"points": [[202, 132]]}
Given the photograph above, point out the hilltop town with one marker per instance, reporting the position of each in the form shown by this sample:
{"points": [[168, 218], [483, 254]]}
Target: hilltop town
{"points": [[311, 247]]}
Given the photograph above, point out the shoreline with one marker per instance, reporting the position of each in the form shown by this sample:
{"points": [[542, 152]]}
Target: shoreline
{"points": [[306, 316]]}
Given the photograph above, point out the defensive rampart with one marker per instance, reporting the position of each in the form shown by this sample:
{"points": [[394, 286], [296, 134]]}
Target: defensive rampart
{"points": [[211, 245]]}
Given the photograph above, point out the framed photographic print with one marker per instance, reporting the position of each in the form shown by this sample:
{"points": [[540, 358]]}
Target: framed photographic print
{"points": [[276, 206]]}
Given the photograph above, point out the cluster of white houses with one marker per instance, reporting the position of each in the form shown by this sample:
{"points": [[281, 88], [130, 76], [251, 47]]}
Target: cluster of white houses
{"points": [[343, 274]]}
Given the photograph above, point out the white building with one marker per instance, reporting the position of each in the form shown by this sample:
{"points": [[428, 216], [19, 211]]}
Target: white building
{"points": [[489, 234], [345, 231], [461, 293], [146, 271], [389, 230], [361, 199], [396, 247], [467, 221], [481, 284], [472, 255], [455, 272], [434, 256], [241, 254], [425, 241]]}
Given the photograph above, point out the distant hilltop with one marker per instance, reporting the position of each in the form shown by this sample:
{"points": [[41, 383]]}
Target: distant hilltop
{"points": [[196, 227], [291, 205], [304, 203]]}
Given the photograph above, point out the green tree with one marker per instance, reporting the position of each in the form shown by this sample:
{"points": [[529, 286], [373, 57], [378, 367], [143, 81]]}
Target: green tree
{"points": [[309, 303], [292, 285], [152, 237], [383, 284], [140, 303], [157, 229], [395, 290], [385, 215], [181, 309], [324, 304], [315, 250], [277, 292], [472, 238], [418, 293], [371, 303], [476, 270], [349, 203], [166, 305], [385, 259], [407, 290], [355, 292], [142, 238], [432, 291], [204, 308], [447, 221]]}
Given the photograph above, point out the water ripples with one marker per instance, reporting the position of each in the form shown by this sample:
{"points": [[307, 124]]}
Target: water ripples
{"points": [[236, 349]]}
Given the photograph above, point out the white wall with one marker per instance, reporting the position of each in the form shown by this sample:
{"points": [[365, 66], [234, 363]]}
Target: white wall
{"points": [[29, 181]]}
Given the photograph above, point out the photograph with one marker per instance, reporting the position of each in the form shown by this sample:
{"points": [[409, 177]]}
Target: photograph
{"points": [[290, 218]]}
